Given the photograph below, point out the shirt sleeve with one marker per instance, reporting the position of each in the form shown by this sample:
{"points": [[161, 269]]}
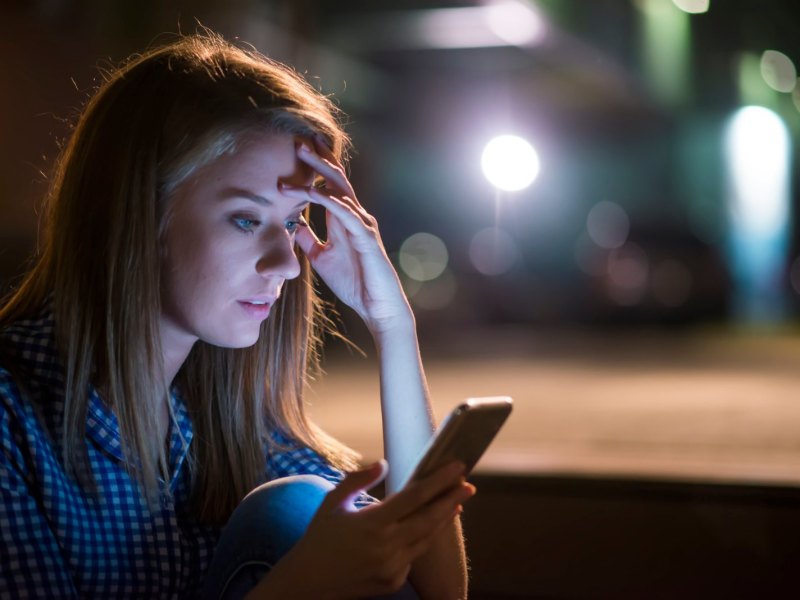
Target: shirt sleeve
{"points": [[296, 459], [31, 564]]}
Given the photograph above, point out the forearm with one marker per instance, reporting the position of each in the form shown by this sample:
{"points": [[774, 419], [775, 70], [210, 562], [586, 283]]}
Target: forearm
{"points": [[408, 423], [429, 577], [408, 420]]}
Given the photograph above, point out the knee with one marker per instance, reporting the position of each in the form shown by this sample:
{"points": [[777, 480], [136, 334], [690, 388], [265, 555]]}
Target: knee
{"points": [[297, 495], [282, 508], [263, 528]]}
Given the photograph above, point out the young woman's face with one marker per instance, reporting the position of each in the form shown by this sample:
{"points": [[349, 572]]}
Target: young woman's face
{"points": [[229, 244]]}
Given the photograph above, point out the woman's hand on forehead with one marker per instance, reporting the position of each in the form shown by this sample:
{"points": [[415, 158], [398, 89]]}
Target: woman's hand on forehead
{"points": [[352, 261]]}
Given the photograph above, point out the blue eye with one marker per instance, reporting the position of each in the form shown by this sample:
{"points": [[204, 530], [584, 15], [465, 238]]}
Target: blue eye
{"points": [[245, 224], [293, 224]]}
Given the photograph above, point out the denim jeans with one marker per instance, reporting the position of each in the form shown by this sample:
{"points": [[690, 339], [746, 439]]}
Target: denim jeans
{"points": [[263, 528]]}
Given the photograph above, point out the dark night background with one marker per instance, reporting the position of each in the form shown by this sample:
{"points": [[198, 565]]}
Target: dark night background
{"points": [[640, 310]]}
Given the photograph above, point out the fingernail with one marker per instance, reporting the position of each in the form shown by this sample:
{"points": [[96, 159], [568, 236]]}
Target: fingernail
{"points": [[305, 147]]}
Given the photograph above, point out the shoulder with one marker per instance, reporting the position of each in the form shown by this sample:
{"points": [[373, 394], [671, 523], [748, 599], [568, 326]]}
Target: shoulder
{"points": [[287, 456], [28, 349], [31, 388], [15, 422]]}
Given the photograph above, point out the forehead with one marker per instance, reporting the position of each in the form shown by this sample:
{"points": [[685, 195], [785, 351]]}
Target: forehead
{"points": [[254, 168], [264, 159]]}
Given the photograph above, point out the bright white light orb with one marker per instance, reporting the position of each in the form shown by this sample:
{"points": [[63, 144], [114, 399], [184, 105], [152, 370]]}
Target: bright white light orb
{"points": [[510, 163], [758, 148]]}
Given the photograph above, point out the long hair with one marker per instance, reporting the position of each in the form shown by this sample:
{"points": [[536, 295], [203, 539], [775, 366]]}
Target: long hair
{"points": [[151, 124]]}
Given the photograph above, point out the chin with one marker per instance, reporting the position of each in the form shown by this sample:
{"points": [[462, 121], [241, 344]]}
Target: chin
{"points": [[244, 342], [238, 340]]}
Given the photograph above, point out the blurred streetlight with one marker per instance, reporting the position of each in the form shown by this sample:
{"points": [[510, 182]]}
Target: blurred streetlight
{"points": [[758, 152], [510, 163]]}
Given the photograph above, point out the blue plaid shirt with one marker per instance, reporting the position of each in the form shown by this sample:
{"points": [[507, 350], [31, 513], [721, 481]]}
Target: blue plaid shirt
{"points": [[58, 541]]}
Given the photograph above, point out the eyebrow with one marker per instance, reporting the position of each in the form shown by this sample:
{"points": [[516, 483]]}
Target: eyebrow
{"points": [[234, 192]]}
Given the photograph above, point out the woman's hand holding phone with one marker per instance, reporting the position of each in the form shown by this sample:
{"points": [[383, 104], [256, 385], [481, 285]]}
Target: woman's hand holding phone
{"points": [[464, 435], [347, 553]]}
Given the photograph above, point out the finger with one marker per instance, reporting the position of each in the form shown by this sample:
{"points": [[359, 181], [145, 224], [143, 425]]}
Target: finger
{"points": [[436, 514], [354, 483], [355, 221], [308, 242], [330, 170], [346, 198], [433, 518], [421, 546], [322, 147], [419, 493]]}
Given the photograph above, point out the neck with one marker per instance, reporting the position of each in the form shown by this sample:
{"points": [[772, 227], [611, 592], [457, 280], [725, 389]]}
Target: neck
{"points": [[175, 346]]}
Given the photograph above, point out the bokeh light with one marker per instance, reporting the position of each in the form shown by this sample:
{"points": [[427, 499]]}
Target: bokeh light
{"points": [[493, 251], [510, 163], [608, 225], [627, 274], [758, 153], [515, 22], [671, 283], [778, 71], [423, 257], [694, 7], [435, 294], [758, 150], [590, 258]]}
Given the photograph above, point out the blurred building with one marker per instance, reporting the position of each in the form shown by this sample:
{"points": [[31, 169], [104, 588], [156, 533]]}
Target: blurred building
{"points": [[626, 102]]}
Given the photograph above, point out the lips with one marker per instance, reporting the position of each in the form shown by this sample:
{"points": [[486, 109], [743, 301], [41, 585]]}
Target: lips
{"points": [[257, 308]]}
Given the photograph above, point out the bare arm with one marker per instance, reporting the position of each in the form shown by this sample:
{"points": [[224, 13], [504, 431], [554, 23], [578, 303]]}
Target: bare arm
{"points": [[407, 425], [354, 264]]}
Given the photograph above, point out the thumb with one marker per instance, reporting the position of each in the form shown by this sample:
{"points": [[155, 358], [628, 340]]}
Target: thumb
{"points": [[353, 484]]}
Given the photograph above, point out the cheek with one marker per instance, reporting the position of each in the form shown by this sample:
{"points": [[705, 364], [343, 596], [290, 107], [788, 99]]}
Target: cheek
{"points": [[196, 270], [186, 259]]}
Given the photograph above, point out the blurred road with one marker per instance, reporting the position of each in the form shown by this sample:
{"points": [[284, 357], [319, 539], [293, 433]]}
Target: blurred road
{"points": [[715, 405]]}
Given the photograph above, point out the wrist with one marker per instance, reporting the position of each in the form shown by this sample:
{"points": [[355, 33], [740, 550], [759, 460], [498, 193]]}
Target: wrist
{"points": [[400, 322]]}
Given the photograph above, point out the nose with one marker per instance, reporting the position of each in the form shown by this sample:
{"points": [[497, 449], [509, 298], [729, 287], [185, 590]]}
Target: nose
{"points": [[277, 256]]}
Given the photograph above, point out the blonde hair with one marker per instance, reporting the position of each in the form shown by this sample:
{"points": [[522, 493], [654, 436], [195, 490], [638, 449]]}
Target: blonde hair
{"points": [[151, 124]]}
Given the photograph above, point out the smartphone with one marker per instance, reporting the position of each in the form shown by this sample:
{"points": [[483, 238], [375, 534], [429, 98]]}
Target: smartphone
{"points": [[464, 435]]}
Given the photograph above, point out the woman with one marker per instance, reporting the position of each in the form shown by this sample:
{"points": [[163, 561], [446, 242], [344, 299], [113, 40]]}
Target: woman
{"points": [[152, 362]]}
